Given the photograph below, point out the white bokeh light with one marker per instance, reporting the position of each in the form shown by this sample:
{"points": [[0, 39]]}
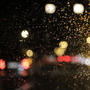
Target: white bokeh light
{"points": [[78, 8], [87, 62], [88, 40], [50, 8], [24, 33]]}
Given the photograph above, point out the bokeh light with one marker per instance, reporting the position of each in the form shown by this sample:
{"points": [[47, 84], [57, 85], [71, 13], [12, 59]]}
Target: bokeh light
{"points": [[64, 59], [88, 40], [29, 53], [50, 8], [26, 63], [78, 8], [60, 59], [67, 58], [59, 51], [12, 65], [63, 44], [24, 33], [2, 64], [87, 61]]}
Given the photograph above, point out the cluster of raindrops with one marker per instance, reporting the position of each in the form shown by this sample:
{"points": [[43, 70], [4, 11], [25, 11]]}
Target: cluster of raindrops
{"points": [[26, 26]]}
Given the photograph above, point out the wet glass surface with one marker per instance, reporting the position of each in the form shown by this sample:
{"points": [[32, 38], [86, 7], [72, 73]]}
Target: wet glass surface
{"points": [[44, 45]]}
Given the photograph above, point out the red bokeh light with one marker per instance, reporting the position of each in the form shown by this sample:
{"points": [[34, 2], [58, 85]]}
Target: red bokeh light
{"points": [[64, 59], [25, 63], [60, 58], [2, 64], [67, 59]]}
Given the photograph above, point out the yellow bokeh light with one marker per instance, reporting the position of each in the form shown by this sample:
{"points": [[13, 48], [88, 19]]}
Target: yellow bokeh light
{"points": [[59, 51], [29, 53], [88, 40], [63, 44], [30, 61]]}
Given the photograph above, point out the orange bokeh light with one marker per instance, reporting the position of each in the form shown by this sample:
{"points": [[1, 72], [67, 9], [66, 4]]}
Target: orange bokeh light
{"points": [[26, 63], [2, 64]]}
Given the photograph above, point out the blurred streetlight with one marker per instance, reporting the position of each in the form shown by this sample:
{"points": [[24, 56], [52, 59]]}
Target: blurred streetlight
{"points": [[24, 33], [29, 53], [50, 8], [78, 8]]}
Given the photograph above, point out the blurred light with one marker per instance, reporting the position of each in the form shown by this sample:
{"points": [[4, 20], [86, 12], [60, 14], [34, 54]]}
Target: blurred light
{"points": [[87, 62], [76, 59], [24, 33], [26, 63], [88, 40], [24, 73], [52, 59], [63, 44], [20, 68], [12, 65], [64, 59], [50, 8], [48, 60], [67, 59], [2, 73], [59, 51], [29, 53], [81, 60], [30, 61], [78, 8], [60, 59], [2, 64]]}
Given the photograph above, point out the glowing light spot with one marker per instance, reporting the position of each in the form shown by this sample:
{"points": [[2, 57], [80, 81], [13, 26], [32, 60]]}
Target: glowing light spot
{"points": [[26, 63], [50, 8], [2, 64], [88, 40], [78, 8], [60, 59], [29, 53], [67, 59], [87, 62], [64, 59], [24, 33], [63, 44], [59, 51]]}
